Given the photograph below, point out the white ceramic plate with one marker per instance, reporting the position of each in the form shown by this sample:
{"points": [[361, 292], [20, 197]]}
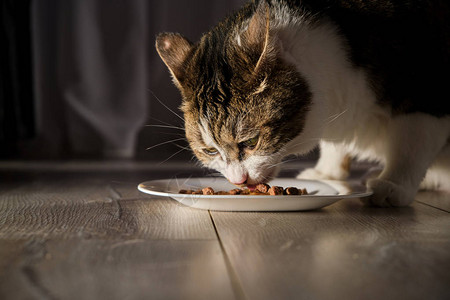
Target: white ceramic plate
{"points": [[321, 193]]}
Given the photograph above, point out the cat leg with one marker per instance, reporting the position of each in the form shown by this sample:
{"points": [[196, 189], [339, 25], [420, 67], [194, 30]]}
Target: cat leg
{"points": [[334, 163], [412, 144], [438, 175], [373, 172]]}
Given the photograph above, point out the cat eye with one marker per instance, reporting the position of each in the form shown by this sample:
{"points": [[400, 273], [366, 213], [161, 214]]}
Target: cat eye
{"points": [[251, 143], [210, 151]]}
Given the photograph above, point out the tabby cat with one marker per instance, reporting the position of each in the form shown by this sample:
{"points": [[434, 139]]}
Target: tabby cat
{"points": [[362, 79]]}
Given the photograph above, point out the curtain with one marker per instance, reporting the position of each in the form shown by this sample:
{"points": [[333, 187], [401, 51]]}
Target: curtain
{"points": [[96, 75], [90, 59]]}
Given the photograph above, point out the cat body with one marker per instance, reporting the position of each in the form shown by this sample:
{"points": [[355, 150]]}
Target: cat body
{"points": [[364, 80]]}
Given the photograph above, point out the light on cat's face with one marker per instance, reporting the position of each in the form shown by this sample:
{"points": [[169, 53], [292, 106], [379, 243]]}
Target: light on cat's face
{"points": [[242, 153], [244, 135], [249, 168]]}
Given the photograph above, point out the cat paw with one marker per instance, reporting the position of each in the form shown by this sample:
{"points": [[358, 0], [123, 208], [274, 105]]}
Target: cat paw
{"points": [[387, 194]]}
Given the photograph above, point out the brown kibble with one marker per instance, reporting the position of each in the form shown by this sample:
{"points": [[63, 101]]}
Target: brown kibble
{"points": [[258, 193], [291, 191], [235, 192], [276, 190], [262, 188], [245, 192], [185, 191], [222, 193], [208, 191]]}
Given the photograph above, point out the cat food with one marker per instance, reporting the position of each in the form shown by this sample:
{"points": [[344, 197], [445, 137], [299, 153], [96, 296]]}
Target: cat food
{"points": [[276, 190], [208, 191], [291, 191], [260, 189], [235, 192]]}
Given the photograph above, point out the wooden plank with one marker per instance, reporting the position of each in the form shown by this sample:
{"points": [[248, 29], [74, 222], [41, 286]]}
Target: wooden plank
{"points": [[72, 237], [107, 269], [345, 251], [438, 199], [10, 262], [92, 208]]}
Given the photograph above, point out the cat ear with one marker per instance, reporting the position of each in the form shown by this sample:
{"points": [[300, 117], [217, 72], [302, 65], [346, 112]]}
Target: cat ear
{"points": [[258, 35], [173, 49]]}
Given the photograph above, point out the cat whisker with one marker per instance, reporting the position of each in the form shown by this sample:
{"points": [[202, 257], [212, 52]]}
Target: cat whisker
{"points": [[304, 142], [164, 126], [196, 161], [179, 151], [187, 179], [165, 105], [163, 122], [335, 117], [309, 140], [167, 142], [282, 162], [265, 179], [174, 134], [180, 185], [183, 147], [214, 174]]}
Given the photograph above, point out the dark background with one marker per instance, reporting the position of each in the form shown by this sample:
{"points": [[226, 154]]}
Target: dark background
{"points": [[79, 77]]}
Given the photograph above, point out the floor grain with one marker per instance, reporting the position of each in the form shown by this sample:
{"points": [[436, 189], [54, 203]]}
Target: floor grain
{"points": [[345, 251], [90, 237], [82, 231], [79, 268]]}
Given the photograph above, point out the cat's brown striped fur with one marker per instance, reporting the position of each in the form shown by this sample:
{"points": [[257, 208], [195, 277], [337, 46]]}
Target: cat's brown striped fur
{"points": [[363, 79]]}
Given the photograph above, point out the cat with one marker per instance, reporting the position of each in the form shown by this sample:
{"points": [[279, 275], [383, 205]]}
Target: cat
{"points": [[363, 80]]}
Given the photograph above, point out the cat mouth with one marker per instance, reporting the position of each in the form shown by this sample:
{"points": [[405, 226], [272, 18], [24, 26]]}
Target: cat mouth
{"points": [[251, 187], [251, 184]]}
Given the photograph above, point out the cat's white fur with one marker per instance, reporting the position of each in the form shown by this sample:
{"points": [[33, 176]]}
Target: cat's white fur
{"points": [[346, 120], [254, 169]]}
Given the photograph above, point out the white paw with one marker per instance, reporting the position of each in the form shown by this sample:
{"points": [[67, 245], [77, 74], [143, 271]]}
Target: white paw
{"points": [[387, 193], [313, 174]]}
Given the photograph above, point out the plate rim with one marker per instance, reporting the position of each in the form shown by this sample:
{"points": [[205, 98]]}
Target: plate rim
{"points": [[366, 193]]}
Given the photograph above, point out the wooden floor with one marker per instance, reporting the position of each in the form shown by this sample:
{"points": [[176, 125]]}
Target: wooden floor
{"points": [[83, 231]]}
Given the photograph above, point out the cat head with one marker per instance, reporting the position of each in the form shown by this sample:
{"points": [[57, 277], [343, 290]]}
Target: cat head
{"points": [[243, 102]]}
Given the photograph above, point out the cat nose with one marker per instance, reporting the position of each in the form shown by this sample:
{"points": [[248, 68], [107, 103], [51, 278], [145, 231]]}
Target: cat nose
{"points": [[239, 180]]}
